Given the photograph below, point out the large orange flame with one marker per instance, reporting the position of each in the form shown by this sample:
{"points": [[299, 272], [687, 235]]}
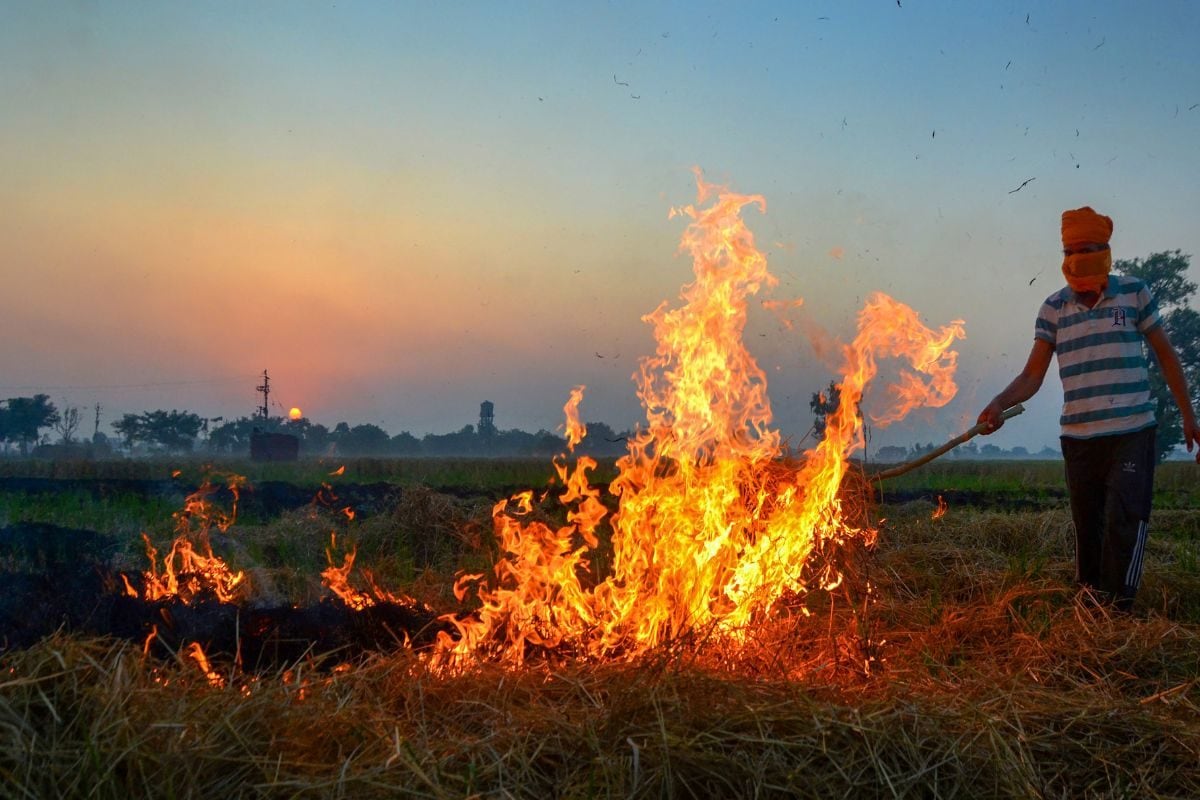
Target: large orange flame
{"points": [[190, 570], [707, 533]]}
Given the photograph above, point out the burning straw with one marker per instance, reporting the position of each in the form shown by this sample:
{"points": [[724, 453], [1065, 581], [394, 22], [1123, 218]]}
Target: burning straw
{"points": [[706, 536], [976, 671], [981, 702]]}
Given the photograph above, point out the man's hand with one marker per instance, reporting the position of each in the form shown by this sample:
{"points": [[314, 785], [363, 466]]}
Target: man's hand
{"points": [[992, 419], [1023, 387], [1191, 435], [1172, 372]]}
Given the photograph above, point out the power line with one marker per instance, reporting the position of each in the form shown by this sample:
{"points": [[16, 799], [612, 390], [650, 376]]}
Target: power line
{"points": [[155, 385]]}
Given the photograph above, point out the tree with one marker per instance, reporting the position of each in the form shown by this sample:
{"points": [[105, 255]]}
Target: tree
{"points": [[168, 430], [1165, 275], [129, 428], [232, 436], [461, 443], [968, 450], [25, 417], [173, 430], [314, 437], [602, 441], [67, 424], [365, 439], [891, 454], [405, 444]]}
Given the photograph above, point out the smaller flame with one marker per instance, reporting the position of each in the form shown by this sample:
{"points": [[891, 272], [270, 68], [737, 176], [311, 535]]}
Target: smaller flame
{"points": [[940, 511], [150, 637], [196, 653], [576, 430], [190, 568], [337, 580]]}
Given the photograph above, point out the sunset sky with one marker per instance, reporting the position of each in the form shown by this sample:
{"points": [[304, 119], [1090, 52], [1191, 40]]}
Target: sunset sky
{"points": [[404, 209]]}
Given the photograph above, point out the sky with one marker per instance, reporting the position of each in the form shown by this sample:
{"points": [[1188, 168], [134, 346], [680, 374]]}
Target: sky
{"points": [[404, 209]]}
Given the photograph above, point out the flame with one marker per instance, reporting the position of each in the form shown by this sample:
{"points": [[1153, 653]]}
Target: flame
{"points": [[190, 570], [325, 497], [339, 471], [710, 531], [196, 653], [576, 430], [942, 506], [337, 580], [150, 637]]}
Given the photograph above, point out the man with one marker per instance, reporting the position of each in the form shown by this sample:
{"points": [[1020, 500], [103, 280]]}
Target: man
{"points": [[1096, 325]]}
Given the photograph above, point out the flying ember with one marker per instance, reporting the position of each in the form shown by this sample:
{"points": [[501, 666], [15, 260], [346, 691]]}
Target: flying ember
{"points": [[710, 530]]}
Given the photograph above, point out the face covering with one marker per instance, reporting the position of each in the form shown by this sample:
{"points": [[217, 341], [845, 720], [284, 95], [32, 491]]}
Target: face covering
{"points": [[1087, 272]]}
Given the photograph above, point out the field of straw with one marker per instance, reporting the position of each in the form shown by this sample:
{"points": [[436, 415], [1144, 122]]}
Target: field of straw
{"points": [[959, 661]]}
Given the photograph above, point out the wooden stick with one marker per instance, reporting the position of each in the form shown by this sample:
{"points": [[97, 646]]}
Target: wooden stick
{"points": [[900, 469]]}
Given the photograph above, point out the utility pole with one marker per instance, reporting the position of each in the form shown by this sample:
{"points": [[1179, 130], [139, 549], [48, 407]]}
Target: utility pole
{"points": [[96, 430], [264, 409]]}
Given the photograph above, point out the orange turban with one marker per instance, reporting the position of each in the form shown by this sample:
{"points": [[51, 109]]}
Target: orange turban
{"points": [[1085, 225]]}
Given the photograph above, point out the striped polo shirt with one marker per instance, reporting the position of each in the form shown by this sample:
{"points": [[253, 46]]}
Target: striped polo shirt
{"points": [[1101, 358]]}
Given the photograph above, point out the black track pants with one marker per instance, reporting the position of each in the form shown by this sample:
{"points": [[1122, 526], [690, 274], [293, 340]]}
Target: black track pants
{"points": [[1111, 480]]}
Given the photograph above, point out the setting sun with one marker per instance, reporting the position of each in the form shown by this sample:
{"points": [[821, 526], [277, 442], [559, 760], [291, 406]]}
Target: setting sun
{"points": [[295, 413]]}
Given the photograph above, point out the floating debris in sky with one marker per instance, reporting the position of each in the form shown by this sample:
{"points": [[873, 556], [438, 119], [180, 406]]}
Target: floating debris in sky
{"points": [[1022, 186]]}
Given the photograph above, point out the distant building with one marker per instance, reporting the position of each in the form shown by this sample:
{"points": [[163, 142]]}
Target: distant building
{"points": [[487, 418], [273, 446]]}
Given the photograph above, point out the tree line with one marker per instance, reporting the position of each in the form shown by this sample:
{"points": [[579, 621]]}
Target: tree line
{"points": [[372, 440], [26, 424], [971, 451]]}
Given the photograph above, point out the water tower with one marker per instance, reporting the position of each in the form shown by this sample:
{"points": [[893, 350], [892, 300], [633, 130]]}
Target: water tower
{"points": [[487, 418]]}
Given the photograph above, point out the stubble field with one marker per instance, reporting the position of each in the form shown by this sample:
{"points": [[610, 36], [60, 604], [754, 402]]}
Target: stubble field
{"points": [[956, 660]]}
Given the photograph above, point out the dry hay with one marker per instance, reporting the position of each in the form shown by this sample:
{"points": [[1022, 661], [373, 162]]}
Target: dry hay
{"points": [[1025, 691], [956, 661]]}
